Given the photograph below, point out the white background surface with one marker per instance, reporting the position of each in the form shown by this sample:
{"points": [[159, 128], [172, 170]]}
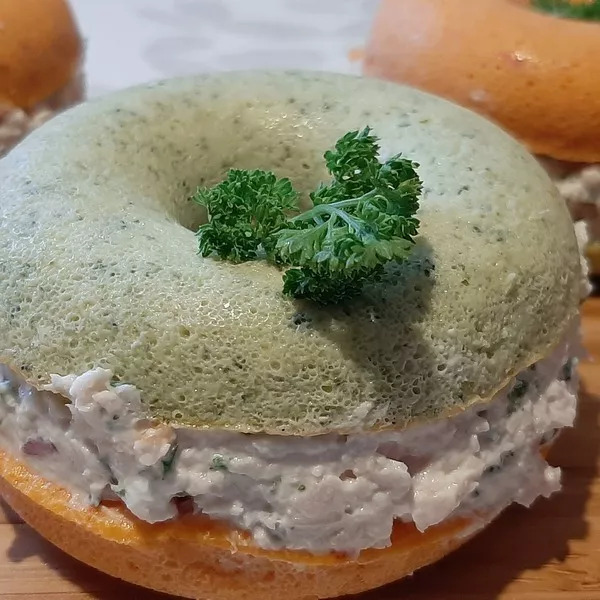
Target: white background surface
{"points": [[132, 41]]}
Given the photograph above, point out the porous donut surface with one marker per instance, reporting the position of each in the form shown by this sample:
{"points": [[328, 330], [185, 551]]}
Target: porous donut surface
{"points": [[99, 263]]}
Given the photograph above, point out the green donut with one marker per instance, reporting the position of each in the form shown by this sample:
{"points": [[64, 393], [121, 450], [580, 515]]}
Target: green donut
{"points": [[99, 263]]}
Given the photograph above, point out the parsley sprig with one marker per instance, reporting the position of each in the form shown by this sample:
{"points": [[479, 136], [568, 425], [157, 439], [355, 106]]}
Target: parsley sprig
{"points": [[244, 210], [563, 8], [362, 219]]}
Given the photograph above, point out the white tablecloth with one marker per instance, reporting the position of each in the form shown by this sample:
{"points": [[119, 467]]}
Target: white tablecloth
{"points": [[132, 41]]}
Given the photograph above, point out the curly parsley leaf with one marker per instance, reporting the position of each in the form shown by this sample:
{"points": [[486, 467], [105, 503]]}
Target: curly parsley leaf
{"points": [[243, 210], [362, 219], [321, 288], [589, 11]]}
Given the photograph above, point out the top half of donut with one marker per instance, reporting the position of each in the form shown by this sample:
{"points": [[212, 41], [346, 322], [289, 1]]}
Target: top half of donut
{"points": [[99, 263]]}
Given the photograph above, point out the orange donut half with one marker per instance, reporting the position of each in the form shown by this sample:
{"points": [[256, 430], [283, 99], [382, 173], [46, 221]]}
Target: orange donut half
{"points": [[198, 558], [535, 74]]}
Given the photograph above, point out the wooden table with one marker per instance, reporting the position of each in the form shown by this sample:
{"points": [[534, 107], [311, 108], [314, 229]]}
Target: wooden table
{"points": [[550, 552]]}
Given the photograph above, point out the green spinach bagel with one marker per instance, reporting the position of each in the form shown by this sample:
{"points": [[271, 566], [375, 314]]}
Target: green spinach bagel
{"points": [[307, 439]]}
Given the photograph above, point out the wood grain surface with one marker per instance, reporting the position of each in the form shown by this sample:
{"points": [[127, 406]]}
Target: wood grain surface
{"points": [[549, 552]]}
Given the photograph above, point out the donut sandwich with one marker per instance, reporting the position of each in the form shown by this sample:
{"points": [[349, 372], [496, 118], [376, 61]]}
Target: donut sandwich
{"points": [[177, 420]]}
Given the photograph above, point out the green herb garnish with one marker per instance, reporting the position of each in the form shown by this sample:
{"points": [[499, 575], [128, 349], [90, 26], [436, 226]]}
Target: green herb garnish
{"points": [[515, 396], [244, 210], [563, 8], [219, 463], [169, 459], [361, 220]]}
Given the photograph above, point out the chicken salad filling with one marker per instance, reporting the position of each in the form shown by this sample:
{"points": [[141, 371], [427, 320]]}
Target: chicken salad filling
{"points": [[325, 493]]}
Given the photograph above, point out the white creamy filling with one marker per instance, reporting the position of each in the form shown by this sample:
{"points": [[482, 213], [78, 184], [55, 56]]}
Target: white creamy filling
{"points": [[579, 185], [580, 189], [324, 493], [583, 238]]}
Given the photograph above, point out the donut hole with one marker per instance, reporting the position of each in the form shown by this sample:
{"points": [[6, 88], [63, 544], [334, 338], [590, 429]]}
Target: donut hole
{"points": [[287, 152], [195, 146]]}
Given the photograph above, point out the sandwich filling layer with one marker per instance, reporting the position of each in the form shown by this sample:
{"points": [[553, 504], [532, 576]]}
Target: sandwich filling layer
{"points": [[579, 185], [323, 493]]}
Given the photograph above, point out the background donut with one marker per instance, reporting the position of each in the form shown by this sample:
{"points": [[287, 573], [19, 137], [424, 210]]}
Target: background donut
{"points": [[531, 72], [40, 65]]}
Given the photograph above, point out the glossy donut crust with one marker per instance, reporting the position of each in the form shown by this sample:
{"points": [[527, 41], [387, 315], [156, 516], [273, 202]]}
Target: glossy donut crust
{"points": [[533, 73]]}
